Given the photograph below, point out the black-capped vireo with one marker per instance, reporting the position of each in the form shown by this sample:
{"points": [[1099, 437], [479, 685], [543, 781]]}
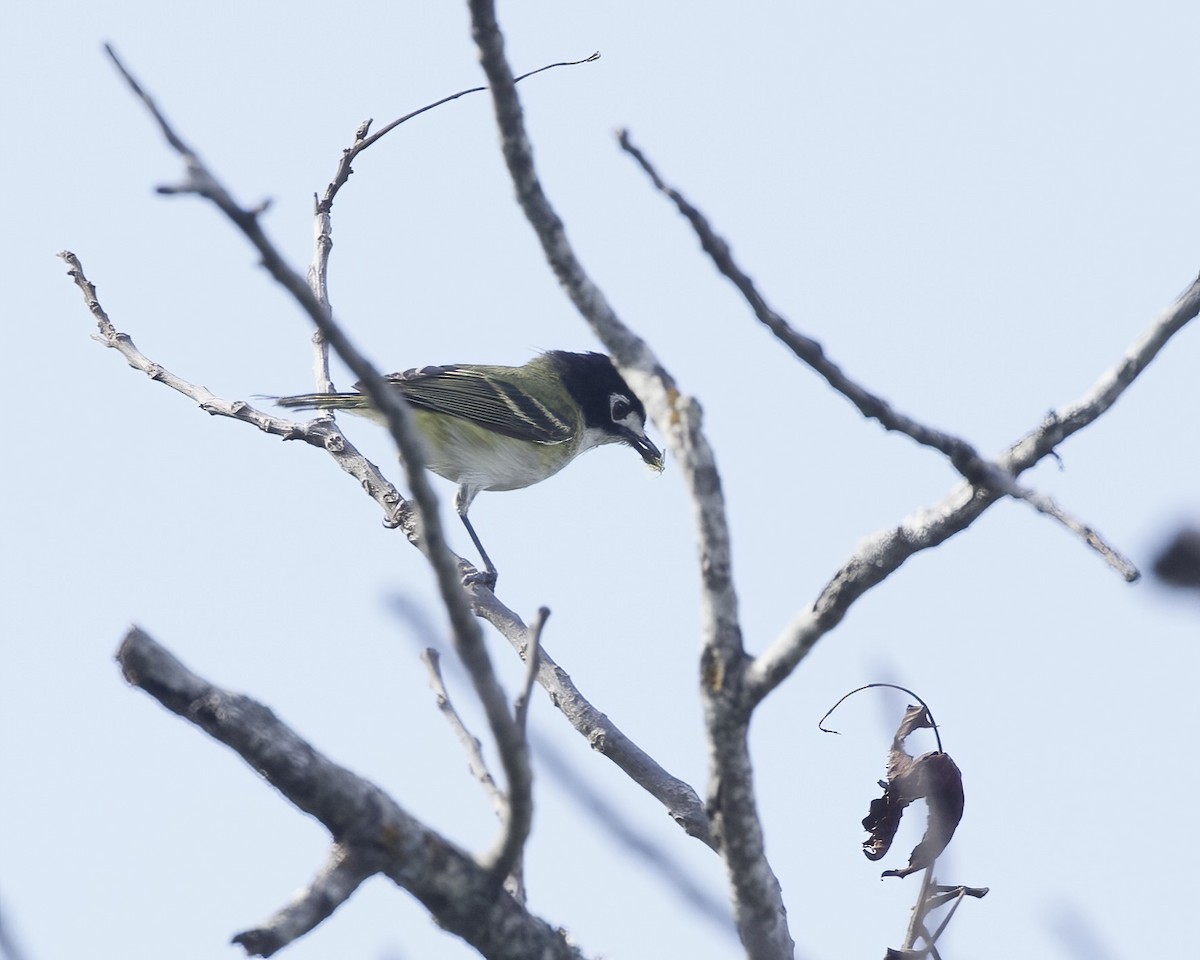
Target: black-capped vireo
{"points": [[503, 428]]}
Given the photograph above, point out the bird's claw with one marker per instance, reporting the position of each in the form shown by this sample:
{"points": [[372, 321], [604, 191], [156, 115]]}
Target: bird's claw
{"points": [[484, 578]]}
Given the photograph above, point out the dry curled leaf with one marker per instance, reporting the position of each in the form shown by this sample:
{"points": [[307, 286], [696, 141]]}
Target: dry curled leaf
{"points": [[933, 776]]}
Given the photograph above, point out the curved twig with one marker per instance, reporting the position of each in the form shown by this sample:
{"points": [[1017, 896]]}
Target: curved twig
{"points": [[870, 686], [362, 140]]}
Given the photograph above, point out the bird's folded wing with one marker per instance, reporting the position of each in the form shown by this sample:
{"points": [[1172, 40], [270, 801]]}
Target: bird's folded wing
{"points": [[478, 397]]}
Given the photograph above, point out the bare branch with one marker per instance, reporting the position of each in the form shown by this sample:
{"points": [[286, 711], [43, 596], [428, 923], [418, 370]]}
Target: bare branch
{"points": [[916, 922], [883, 552], [604, 736], [532, 657], [678, 418], [323, 242], [510, 868], [505, 861], [680, 800], [961, 454], [470, 743], [676, 795], [644, 849], [758, 902], [318, 275], [468, 638], [362, 141], [322, 433], [379, 835], [933, 895], [342, 874]]}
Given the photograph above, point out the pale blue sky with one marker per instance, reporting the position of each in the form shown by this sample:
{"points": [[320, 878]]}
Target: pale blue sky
{"points": [[975, 210]]}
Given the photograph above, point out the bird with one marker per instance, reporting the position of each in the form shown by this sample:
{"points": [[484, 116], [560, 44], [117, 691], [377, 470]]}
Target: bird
{"points": [[487, 427]]}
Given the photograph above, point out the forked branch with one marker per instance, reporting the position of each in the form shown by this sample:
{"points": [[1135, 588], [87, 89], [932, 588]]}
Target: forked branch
{"points": [[466, 633], [884, 551], [986, 481], [974, 468], [757, 899], [604, 736], [371, 832]]}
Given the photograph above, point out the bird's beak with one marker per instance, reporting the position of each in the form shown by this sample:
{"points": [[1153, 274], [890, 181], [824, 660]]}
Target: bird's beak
{"points": [[648, 451]]}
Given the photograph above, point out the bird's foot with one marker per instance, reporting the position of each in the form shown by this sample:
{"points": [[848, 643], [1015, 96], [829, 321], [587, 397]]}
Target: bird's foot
{"points": [[484, 578]]}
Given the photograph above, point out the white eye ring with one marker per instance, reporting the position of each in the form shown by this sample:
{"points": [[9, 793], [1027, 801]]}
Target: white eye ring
{"points": [[618, 407]]}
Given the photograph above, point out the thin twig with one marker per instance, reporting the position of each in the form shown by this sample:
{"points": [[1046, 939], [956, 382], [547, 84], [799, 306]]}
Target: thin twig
{"points": [[470, 743], [507, 853], [514, 882], [342, 874], [468, 638], [931, 897], [954, 902], [533, 659], [605, 737], [362, 140], [758, 900], [916, 922], [598, 730], [323, 227], [944, 893], [322, 433], [359, 815], [505, 862], [961, 454], [679, 798], [881, 554], [881, 685]]}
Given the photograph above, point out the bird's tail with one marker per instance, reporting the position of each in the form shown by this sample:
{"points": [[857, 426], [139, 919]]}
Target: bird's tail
{"points": [[323, 401]]}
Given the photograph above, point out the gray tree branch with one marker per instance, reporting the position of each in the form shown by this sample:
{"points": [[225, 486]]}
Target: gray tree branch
{"points": [[884, 551], [322, 433], [467, 740], [514, 881], [677, 796], [466, 633], [323, 232], [758, 902], [334, 884], [961, 454], [372, 830], [604, 736]]}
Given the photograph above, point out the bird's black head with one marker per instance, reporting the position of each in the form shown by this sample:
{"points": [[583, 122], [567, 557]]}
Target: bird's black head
{"points": [[609, 406]]}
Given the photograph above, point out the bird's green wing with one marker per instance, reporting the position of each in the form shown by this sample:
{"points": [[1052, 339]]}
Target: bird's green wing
{"points": [[475, 394]]}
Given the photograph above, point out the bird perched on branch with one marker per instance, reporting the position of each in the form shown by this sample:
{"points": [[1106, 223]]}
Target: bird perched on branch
{"points": [[503, 428]]}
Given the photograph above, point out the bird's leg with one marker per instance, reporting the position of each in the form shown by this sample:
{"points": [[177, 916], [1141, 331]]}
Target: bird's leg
{"points": [[487, 576], [462, 503]]}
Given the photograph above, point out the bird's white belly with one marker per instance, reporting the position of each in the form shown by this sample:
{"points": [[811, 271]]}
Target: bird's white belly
{"points": [[508, 468], [472, 456]]}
